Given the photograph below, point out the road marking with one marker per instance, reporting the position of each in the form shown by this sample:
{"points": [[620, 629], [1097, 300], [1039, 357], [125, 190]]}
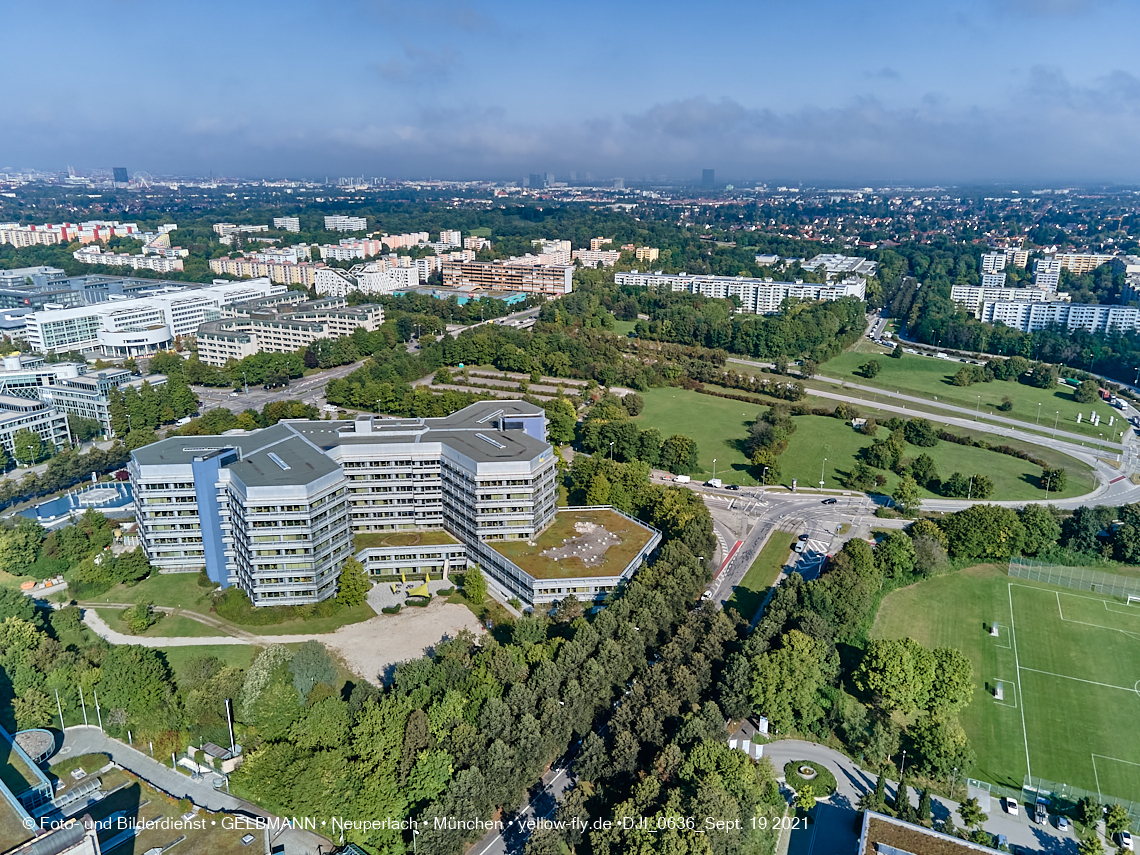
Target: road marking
{"points": [[1017, 668]]}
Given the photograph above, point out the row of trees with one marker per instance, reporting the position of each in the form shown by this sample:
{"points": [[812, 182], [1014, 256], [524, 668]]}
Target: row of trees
{"points": [[608, 429]]}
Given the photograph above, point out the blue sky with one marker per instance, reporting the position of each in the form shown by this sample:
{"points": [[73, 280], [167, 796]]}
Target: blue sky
{"points": [[841, 91]]}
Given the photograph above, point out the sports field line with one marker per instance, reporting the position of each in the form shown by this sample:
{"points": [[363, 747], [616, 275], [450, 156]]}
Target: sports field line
{"points": [[1096, 775], [1011, 684], [1061, 613], [1080, 680], [1017, 669]]}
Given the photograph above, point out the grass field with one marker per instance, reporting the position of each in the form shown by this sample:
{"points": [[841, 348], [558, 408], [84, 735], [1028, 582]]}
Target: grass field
{"points": [[624, 327], [1069, 662], [748, 596], [170, 626], [928, 377], [720, 426], [233, 655]]}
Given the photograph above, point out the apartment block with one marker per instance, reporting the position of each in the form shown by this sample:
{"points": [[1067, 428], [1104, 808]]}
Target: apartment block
{"points": [[17, 414], [549, 252], [406, 241], [972, 297], [757, 296], [372, 278], [49, 234], [1017, 257], [349, 249], [598, 242], [276, 326], [1029, 317], [553, 279], [283, 272], [596, 257], [289, 224], [159, 263], [338, 223], [647, 253], [993, 262], [1047, 273], [993, 280], [1082, 262], [451, 238], [227, 229], [275, 511], [476, 243]]}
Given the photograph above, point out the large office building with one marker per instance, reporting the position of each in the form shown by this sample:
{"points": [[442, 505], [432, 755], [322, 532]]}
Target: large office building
{"points": [[1028, 317], [552, 279], [842, 265], [757, 296], [139, 326], [281, 324], [18, 414], [276, 511], [973, 297]]}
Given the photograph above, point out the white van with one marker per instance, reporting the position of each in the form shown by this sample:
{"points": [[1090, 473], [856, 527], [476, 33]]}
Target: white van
{"points": [[682, 479], [714, 482]]}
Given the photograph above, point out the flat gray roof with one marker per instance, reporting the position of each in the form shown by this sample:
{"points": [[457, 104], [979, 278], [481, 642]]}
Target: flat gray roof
{"points": [[290, 462]]}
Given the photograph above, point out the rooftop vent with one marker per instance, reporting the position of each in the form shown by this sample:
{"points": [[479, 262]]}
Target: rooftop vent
{"points": [[488, 418], [489, 440], [277, 460]]}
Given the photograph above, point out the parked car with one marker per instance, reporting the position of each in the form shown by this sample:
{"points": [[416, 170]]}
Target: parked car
{"points": [[1011, 807], [1063, 823], [1040, 815], [1125, 840]]}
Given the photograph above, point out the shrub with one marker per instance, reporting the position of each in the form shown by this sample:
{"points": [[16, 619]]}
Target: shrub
{"points": [[391, 610], [417, 602], [822, 785]]}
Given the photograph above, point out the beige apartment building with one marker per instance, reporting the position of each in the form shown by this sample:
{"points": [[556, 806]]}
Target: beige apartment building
{"points": [[553, 279], [304, 273]]}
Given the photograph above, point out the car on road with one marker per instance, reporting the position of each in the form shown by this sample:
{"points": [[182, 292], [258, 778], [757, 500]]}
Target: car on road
{"points": [[732, 487], [707, 595], [1125, 840], [830, 501], [800, 546], [1011, 807]]}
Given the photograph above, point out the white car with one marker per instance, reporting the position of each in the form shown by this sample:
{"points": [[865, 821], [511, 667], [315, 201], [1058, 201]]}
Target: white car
{"points": [[1125, 840], [1011, 807]]}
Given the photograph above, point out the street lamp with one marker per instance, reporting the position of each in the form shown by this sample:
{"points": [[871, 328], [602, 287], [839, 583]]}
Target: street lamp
{"points": [[714, 468], [977, 407], [1137, 378], [764, 483], [1039, 415], [1058, 414], [821, 468], [129, 428], [245, 382], [611, 451]]}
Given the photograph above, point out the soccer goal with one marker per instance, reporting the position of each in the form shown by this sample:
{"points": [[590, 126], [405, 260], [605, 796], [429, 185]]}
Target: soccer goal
{"points": [[1132, 600]]}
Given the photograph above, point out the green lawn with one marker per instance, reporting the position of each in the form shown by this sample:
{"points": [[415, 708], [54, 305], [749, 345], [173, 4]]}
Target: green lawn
{"points": [[720, 427], [233, 655], [181, 590], [171, 626], [624, 327], [748, 596], [927, 377], [1075, 707]]}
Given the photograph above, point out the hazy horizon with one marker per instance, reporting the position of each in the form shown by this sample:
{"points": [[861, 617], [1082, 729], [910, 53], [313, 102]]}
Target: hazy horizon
{"points": [[827, 92]]}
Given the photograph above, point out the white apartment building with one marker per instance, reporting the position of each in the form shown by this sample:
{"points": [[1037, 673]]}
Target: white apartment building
{"points": [[226, 229], [598, 242], [372, 278], [1029, 317], [596, 257], [757, 296], [972, 297], [1047, 273], [337, 223], [451, 238], [160, 263], [50, 234], [476, 243], [549, 252], [993, 262], [993, 280], [142, 325], [290, 224]]}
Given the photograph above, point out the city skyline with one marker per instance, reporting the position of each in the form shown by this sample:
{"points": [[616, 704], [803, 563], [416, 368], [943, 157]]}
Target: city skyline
{"points": [[974, 90]]}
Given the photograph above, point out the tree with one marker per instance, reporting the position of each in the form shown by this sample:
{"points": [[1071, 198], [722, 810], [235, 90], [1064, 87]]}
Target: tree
{"points": [[786, 682], [599, 490], [1090, 845], [1088, 392], [679, 455], [311, 664], [352, 584], [983, 532], [474, 585], [896, 352], [941, 744], [1053, 480], [953, 683], [1089, 810], [1042, 531], [924, 470], [20, 546], [141, 617], [1043, 376], [871, 368], [805, 798], [562, 417], [923, 813], [1116, 818], [29, 448], [906, 495], [972, 814], [808, 368], [894, 555], [921, 432], [897, 673]]}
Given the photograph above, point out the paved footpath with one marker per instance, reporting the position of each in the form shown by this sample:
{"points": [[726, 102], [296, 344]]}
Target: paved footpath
{"points": [[83, 739]]}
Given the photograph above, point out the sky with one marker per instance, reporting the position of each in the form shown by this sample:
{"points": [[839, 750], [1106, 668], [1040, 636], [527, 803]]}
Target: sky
{"points": [[841, 92]]}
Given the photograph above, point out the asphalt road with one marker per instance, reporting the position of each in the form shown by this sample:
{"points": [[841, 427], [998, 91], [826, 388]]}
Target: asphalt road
{"points": [[309, 389]]}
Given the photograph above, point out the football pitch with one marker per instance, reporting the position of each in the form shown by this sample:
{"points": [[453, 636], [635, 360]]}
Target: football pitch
{"points": [[1068, 663]]}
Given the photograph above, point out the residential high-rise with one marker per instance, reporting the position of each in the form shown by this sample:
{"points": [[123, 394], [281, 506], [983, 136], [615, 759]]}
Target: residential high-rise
{"points": [[340, 223], [290, 224], [993, 262], [1047, 273], [120, 174], [757, 296], [708, 178]]}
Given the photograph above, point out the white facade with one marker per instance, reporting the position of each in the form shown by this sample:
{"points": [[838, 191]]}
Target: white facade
{"points": [[1028, 317], [597, 257], [451, 238], [971, 297], [338, 223], [993, 280], [141, 325], [835, 264], [96, 255], [757, 296], [371, 278], [993, 262], [290, 224], [1047, 273]]}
